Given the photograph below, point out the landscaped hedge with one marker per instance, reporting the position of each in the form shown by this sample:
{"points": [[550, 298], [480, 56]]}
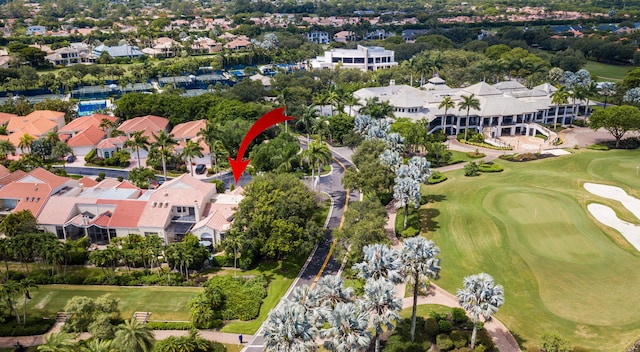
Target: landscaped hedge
{"points": [[134, 278], [170, 325], [490, 167], [436, 177], [242, 297], [597, 146], [33, 326]]}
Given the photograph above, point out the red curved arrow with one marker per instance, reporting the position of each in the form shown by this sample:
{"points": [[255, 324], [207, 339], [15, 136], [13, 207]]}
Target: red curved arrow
{"points": [[267, 120]]}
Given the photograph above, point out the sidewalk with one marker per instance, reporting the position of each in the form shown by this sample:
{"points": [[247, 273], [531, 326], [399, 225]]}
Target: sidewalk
{"points": [[222, 337]]}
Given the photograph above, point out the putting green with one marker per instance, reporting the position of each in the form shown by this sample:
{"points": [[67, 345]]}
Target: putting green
{"points": [[563, 272]]}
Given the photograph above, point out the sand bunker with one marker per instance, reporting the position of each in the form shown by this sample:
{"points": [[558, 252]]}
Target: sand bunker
{"points": [[608, 217]]}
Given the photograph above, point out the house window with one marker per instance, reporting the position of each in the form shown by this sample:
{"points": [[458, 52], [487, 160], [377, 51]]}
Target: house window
{"points": [[60, 232], [106, 155]]}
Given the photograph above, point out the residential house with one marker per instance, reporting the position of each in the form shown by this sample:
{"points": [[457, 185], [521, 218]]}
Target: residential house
{"points": [[344, 36], [227, 37], [318, 37], [187, 131], [106, 147], [265, 80], [148, 125], [31, 191], [36, 30], [218, 217], [37, 124], [84, 133], [71, 55], [378, 34], [238, 44], [119, 51], [175, 207], [364, 58], [163, 46], [100, 211], [4, 59], [204, 45]]}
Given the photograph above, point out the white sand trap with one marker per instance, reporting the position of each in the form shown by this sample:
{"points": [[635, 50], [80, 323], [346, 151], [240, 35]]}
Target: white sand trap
{"points": [[556, 152], [607, 216], [615, 193]]}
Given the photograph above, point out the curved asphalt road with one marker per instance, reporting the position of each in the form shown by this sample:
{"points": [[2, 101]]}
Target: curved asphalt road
{"points": [[315, 266]]}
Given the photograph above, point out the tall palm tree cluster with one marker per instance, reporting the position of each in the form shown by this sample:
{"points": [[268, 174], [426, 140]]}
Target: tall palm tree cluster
{"points": [[332, 312]]}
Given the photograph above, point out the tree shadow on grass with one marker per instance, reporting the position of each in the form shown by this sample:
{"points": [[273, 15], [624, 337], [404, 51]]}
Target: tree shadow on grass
{"points": [[427, 220], [519, 339], [434, 198]]}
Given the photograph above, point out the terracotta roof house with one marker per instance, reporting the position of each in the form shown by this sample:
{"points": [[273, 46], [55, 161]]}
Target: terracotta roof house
{"points": [[189, 131], [37, 124], [175, 207], [32, 191], [6, 117], [218, 217], [84, 133], [106, 147], [14, 176], [206, 46], [238, 44], [149, 125]]}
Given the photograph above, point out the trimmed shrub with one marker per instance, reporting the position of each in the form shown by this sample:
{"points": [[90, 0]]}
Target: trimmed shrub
{"points": [[219, 185], [170, 325], [458, 315], [444, 343], [471, 169], [444, 326], [90, 156], [431, 327], [490, 167], [436, 177], [459, 338]]}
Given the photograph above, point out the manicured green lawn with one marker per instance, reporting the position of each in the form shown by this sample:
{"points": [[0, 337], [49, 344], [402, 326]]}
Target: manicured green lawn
{"points": [[425, 309], [528, 226], [607, 72], [164, 303]]}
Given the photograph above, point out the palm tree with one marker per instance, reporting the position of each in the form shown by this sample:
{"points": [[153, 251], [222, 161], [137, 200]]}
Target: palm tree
{"points": [[58, 342], [165, 143], [52, 137], [106, 125], [331, 291], [6, 148], [25, 285], [308, 118], [559, 97], [577, 93], [380, 262], [210, 135], [468, 102], [97, 345], [607, 89], [418, 266], [480, 297], [285, 98], [133, 336], [446, 103], [25, 142], [381, 301], [137, 142], [348, 329], [590, 90], [191, 150], [289, 329], [317, 154]]}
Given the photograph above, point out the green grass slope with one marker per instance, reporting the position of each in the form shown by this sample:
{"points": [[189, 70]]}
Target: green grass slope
{"points": [[529, 227]]}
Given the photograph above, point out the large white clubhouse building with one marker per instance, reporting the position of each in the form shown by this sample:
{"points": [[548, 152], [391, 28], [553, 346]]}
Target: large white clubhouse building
{"points": [[506, 108], [364, 58]]}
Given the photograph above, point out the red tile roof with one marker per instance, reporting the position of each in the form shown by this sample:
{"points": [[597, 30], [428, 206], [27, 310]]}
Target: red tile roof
{"points": [[90, 136], [126, 214], [33, 190], [82, 123], [149, 125]]}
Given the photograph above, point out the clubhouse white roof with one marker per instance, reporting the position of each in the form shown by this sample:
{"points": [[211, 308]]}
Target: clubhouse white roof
{"points": [[501, 99]]}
